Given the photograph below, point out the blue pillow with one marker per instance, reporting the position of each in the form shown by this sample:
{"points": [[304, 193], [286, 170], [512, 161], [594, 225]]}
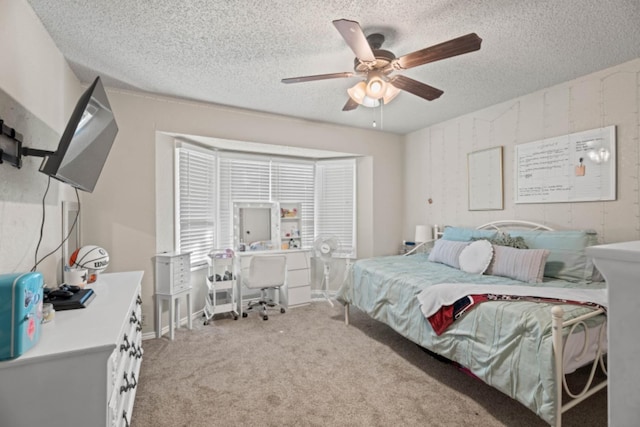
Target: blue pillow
{"points": [[462, 234], [567, 256]]}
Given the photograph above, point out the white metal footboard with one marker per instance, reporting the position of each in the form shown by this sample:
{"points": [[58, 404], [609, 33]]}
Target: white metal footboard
{"points": [[589, 389], [558, 323]]}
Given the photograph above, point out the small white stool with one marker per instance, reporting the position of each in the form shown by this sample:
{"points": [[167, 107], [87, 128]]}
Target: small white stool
{"points": [[174, 311]]}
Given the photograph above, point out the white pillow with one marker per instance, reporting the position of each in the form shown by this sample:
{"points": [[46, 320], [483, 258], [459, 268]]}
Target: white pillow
{"points": [[476, 257]]}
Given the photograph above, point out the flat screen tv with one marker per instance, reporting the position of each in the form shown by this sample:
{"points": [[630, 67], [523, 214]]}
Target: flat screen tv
{"points": [[86, 141]]}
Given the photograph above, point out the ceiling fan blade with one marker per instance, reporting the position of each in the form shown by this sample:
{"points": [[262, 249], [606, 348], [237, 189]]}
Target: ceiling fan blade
{"points": [[355, 38], [350, 105], [317, 77], [417, 88], [450, 48]]}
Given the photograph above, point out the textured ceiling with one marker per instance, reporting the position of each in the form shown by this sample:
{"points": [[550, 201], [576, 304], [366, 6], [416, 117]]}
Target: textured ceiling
{"points": [[235, 52]]}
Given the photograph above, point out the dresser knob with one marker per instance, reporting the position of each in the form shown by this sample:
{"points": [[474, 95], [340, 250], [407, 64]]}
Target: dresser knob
{"points": [[125, 347], [124, 388], [135, 383]]}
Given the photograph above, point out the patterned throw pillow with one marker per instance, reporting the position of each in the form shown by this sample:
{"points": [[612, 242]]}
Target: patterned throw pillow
{"points": [[505, 239]]}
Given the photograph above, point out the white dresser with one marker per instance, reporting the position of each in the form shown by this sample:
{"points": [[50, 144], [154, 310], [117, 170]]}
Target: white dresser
{"points": [[298, 288], [84, 370], [619, 264]]}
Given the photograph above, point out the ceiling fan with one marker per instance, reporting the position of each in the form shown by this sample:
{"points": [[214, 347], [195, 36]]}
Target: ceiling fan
{"points": [[376, 66]]}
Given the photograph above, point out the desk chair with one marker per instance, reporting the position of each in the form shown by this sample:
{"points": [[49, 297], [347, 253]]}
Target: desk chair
{"points": [[267, 273]]}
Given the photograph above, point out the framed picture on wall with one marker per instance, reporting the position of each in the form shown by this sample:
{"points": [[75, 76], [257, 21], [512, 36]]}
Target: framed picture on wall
{"points": [[485, 179]]}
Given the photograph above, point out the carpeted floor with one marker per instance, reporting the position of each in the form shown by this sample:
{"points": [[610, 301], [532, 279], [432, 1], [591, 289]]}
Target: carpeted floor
{"points": [[306, 368]]}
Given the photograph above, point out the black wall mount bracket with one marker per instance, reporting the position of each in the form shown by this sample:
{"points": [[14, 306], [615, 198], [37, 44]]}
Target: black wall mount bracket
{"points": [[9, 132], [16, 159]]}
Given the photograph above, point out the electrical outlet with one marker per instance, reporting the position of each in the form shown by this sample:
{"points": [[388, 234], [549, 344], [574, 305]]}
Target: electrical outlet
{"points": [[144, 320]]}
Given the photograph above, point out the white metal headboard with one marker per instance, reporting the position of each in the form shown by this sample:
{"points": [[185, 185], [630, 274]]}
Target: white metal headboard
{"points": [[500, 226], [513, 224]]}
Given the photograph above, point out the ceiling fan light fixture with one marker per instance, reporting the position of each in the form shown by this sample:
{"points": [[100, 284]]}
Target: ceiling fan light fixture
{"points": [[390, 93], [359, 94], [375, 86]]}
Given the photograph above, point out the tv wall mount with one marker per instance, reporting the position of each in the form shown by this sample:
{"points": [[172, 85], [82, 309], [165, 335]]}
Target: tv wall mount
{"points": [[20, 151]]}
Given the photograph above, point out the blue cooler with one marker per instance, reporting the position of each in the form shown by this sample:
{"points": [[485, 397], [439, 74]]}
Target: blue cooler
{"points": [[20, 313]]}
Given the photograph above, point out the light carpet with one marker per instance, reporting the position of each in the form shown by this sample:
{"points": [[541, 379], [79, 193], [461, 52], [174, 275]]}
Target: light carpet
{"points": [[307, 368]]}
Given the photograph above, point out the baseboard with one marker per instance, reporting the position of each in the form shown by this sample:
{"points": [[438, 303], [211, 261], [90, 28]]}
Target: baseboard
{"points": [[165, 330], [315, 296], [320, 295]]}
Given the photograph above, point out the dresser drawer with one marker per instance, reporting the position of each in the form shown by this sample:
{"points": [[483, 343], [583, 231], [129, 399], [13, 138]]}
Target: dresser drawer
{"points": [[298, 296], [181, 281], [297, 278], [173, 273], [297, 260]]}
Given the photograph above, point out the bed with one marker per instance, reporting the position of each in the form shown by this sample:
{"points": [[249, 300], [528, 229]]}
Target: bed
{"points": [[522, 346]]}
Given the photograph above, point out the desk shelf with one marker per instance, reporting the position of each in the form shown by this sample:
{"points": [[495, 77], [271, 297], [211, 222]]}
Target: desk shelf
{"points": [[290, 225]]}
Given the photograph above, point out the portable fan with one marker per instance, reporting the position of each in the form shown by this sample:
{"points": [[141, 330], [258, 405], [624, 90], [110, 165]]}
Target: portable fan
{"points": [[324, 247]]}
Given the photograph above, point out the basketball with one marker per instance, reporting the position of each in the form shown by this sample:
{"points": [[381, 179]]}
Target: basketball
{"points": [[91, 257]]}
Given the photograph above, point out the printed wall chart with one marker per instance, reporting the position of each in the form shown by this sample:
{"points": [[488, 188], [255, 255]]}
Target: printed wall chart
{"points": [[578, 167]]}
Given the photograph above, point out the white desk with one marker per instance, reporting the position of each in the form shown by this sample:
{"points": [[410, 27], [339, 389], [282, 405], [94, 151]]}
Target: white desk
{"points": [[297, 290], [619, 264]]}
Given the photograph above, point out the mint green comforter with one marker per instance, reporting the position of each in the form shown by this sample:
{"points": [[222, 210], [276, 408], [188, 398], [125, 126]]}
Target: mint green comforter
{"points": [[506, 344]]}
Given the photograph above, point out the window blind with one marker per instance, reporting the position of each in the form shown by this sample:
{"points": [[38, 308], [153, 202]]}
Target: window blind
{"points": [[242, 178], [209, 182], [293, 181], [336, 203], [195, 227]]}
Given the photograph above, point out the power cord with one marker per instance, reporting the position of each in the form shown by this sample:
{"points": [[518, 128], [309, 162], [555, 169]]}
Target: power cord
{"points": [[37, 262]]}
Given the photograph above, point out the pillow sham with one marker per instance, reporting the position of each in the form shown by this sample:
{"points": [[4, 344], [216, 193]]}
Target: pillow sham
{"points": [[567, 256], [461, 234], [475, 258], [447, 252], [527, 265]]}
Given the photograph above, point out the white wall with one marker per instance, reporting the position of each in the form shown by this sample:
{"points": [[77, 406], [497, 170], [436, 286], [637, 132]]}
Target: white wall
{"points": [[38, 93], [130, 212], [436, 157]]}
